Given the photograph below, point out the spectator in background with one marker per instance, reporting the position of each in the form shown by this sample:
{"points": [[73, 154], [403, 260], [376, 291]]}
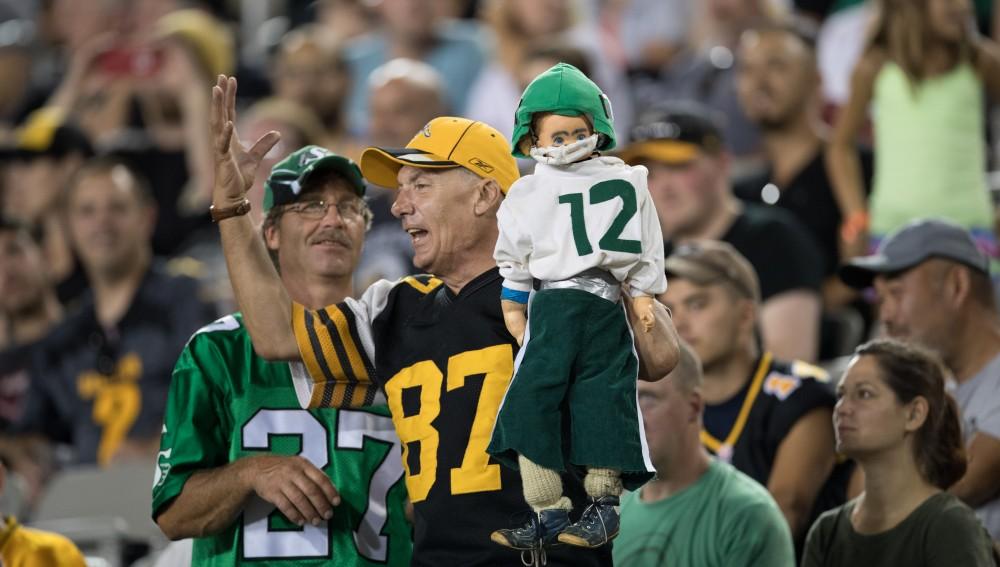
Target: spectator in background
{"points": [[689, 181], [345, 19], [46, 153], [698, 510], [309, 69], [25, 547], [779, 84], [925, 71], [102, 378], [15, 60], [768, 418], [934, 290], [393, 91], [894, 417], [393, 120], [409, 29], [541, 58], [520, 26], [166, 137], [298, 125], [704, 70], [645, 34], [29, 308], [196, 48]]}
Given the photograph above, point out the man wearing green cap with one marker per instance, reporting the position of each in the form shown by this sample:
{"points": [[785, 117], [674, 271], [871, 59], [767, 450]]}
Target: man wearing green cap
{"points": [[583, 225], [242, 467]]}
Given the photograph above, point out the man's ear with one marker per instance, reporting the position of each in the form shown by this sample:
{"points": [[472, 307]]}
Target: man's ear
{"points": [[957, 285], [488, 197], [272, 236]]}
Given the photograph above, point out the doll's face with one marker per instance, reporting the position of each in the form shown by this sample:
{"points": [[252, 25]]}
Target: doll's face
{"points": [[556, 130]]}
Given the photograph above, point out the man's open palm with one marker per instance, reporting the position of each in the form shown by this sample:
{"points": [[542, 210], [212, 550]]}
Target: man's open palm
{"points": [[235, 165]]}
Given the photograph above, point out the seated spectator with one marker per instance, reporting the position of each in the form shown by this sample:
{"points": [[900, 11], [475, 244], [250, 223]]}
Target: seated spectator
{"points": [[46, 153], [894, 417], [778, 84], [411, 30], [934, 290], [689, 181], [102, 377], [310, 69], [768, 418], [929, 77], [29, 309], [25, 547], [698, 510]]}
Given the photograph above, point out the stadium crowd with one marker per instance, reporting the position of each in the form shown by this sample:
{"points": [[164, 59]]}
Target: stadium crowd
{"points": [[824, 173]]}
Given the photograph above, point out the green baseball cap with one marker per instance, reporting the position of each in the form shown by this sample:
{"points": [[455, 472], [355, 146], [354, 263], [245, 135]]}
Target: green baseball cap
{"points": [[288, 176], [566, 91]]}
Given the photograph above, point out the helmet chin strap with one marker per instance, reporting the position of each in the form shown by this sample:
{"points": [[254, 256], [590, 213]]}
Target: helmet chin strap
{"points": [[564, 155]]}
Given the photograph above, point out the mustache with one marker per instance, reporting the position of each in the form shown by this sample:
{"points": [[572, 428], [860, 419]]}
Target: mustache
{"points": [[338, 236]]}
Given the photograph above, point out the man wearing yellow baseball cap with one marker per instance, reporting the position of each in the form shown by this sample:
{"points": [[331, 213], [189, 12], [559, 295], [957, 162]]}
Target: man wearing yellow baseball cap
{"points": [[435, 345], [444, 143]]}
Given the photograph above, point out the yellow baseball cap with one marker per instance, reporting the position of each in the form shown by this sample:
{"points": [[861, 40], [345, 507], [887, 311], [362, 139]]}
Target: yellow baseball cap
{"points": [[446, 142]]}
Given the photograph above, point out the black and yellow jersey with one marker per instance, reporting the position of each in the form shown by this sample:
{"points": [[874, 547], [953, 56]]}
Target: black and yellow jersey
{"points": [[747, 430], [444, 361]]}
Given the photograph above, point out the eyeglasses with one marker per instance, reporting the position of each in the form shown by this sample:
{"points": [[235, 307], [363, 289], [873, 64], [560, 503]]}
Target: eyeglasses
{"points": [[349, 210]]}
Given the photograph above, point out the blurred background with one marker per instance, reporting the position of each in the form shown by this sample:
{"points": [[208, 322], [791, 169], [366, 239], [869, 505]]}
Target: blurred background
{"points": [[91, 88]]}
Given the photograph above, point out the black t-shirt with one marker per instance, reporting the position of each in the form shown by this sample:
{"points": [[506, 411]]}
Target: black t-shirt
{"points": [[15, 380], [809, 196], [777, 395], [94, 387], [782, 252], [444, 361]]}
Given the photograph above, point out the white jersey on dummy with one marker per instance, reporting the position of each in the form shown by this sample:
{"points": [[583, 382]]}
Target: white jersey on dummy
{"points": [[564, 220]]}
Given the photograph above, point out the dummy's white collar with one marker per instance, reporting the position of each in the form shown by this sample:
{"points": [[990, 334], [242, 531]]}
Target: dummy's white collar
{"points": [[563, 155]]}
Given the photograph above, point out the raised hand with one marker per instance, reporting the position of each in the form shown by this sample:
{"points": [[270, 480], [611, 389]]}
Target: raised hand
{"points": [[235, 165]]}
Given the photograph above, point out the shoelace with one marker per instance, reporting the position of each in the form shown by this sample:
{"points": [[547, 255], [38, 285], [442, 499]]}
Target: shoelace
{"points": [[590, 521], [534, 557]]}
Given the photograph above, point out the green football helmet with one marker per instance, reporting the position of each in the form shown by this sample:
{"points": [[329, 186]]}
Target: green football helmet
{"points": [[564, 90]]}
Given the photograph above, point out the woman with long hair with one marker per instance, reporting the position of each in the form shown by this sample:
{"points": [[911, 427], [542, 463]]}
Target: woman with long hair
{"points": [[895, 420], [925, 70]]}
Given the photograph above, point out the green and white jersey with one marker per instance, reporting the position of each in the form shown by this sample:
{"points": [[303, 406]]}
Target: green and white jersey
{"points": [[227, 403], [564, 220]]}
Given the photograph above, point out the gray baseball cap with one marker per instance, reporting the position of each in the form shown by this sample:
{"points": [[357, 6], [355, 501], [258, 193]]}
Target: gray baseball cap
{"points": [[912, 244]]}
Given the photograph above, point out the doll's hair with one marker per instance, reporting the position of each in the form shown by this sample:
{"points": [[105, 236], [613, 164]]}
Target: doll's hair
{"points": [[531, 138]]}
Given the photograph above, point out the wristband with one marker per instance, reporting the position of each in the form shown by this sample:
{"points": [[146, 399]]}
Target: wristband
{"points": [[223, 213]]}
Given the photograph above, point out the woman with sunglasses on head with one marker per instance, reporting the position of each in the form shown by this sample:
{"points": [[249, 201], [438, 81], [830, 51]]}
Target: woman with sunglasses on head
{"points": [[894, 418]]}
